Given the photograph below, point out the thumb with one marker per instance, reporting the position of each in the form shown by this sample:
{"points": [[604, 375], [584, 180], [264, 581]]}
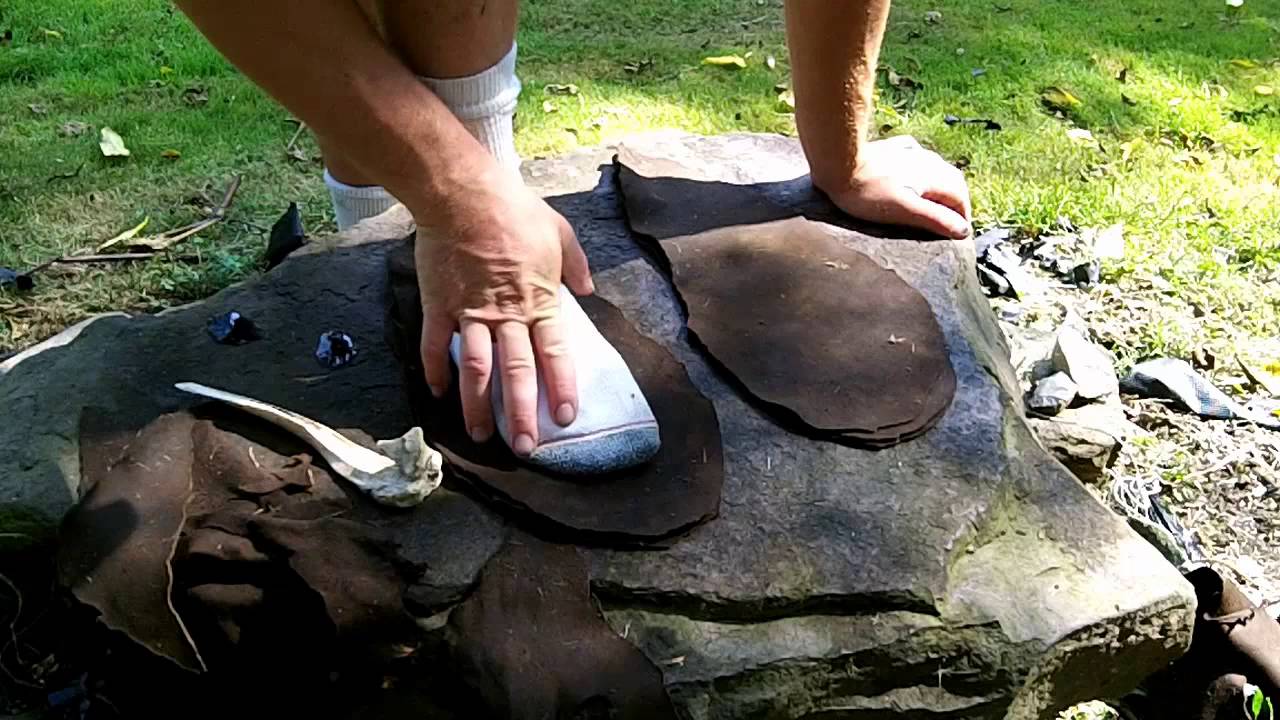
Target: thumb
{"points": [[921, 212], [574, 269]]}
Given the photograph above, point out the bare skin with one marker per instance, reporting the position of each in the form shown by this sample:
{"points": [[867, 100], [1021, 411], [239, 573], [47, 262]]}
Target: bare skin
{"points": [[348, 69], [835, 46]]}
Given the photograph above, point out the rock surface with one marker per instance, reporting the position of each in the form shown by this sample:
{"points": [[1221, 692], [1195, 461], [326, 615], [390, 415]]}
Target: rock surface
{"points": [[964, 574], [1086, 451], [1087, 364]]}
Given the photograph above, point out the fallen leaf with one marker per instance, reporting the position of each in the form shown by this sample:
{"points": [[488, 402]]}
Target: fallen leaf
{"points": [[978, 72], [51, 34], [75, 128], [933, 17], [771, 62], [1082, 136], [678, 660], [787, 101], [195, 96], [559, 89], [1109, 243], [1264, 89], [549, 107], [1128, 100], [1244, 63], [37, 109], [171, 154], [1264, 377], [112, 144], [725, 61], [638, 67], [129, 234], [1058, 99]]}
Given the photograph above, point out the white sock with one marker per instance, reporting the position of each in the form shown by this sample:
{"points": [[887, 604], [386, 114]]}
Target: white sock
{"points": [[351, 203], [485, 103], [614, 429]]}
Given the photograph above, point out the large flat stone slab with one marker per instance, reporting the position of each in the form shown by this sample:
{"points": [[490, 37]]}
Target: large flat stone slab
{"points": [[963, 574]]}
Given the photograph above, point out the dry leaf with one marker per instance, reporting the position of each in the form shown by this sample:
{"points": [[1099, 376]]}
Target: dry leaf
{"points": [[1082, 136], [129, 234], [37, 109], [51, 34], [559, 89], [1244, 63], [771, 62], [1058, 99], [787, 101], [112, 144], [75, 128], [727, 61], [933, 17], [1264, 89], [170, 154], [549, 107]]}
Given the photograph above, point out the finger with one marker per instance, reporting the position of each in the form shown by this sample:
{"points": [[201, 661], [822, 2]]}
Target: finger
{"points": [[917, 211], [437, 330], [475, 367], [519, 385], [573, 264], [950, 190], [551, 346]]}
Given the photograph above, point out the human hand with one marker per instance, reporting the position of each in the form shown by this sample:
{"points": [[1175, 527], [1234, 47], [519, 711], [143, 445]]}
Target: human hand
{"points": [[898, 182], [491, 256]]}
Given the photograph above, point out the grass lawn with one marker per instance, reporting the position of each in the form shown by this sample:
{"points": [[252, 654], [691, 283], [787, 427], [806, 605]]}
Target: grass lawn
{"points": [[1186, 148]]}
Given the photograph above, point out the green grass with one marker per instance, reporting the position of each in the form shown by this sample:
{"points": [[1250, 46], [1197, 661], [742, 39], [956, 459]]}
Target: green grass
{"points": [[1189, 162]]}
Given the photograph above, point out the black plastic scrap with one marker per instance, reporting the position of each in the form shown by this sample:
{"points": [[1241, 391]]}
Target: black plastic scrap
{"points": [[1171, 379], [287, 235], [335, 349], [232, 328], [999, 267], [986, 123], [21, 281]]}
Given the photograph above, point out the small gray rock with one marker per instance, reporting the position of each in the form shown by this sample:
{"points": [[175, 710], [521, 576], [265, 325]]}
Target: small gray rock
{"points": [[1084, 450], [1053, 394], [1087, 364]]}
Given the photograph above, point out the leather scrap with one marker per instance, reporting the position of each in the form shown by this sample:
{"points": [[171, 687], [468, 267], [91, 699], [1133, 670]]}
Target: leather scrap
{"points": [[117, 544], [530, 641], [825, 339], [677, 490], [210, 538]]}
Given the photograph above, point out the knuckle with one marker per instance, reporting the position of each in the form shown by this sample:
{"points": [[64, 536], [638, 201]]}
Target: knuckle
{"points": [[475, 364]]}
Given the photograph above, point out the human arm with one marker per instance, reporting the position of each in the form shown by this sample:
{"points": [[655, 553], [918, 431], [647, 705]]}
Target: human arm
{"points": [[491, 254], [835, 48]]}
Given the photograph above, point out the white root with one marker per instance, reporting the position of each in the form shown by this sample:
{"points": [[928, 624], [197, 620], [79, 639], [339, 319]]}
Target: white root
{"points": [[401, 473]]}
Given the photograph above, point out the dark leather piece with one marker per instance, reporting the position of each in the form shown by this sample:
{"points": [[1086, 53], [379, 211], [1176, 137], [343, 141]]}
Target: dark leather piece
{"points": [[531, 643], [823, 337], [677, 490]]}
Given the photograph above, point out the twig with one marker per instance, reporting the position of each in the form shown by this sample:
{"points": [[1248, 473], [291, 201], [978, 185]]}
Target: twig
{"points": [[293, 140], [109, 257], [66, 176], [173, 237]]}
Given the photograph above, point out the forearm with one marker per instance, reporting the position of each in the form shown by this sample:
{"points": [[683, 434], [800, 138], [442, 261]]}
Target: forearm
{"points": [[835, 46], [323, 61]]}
